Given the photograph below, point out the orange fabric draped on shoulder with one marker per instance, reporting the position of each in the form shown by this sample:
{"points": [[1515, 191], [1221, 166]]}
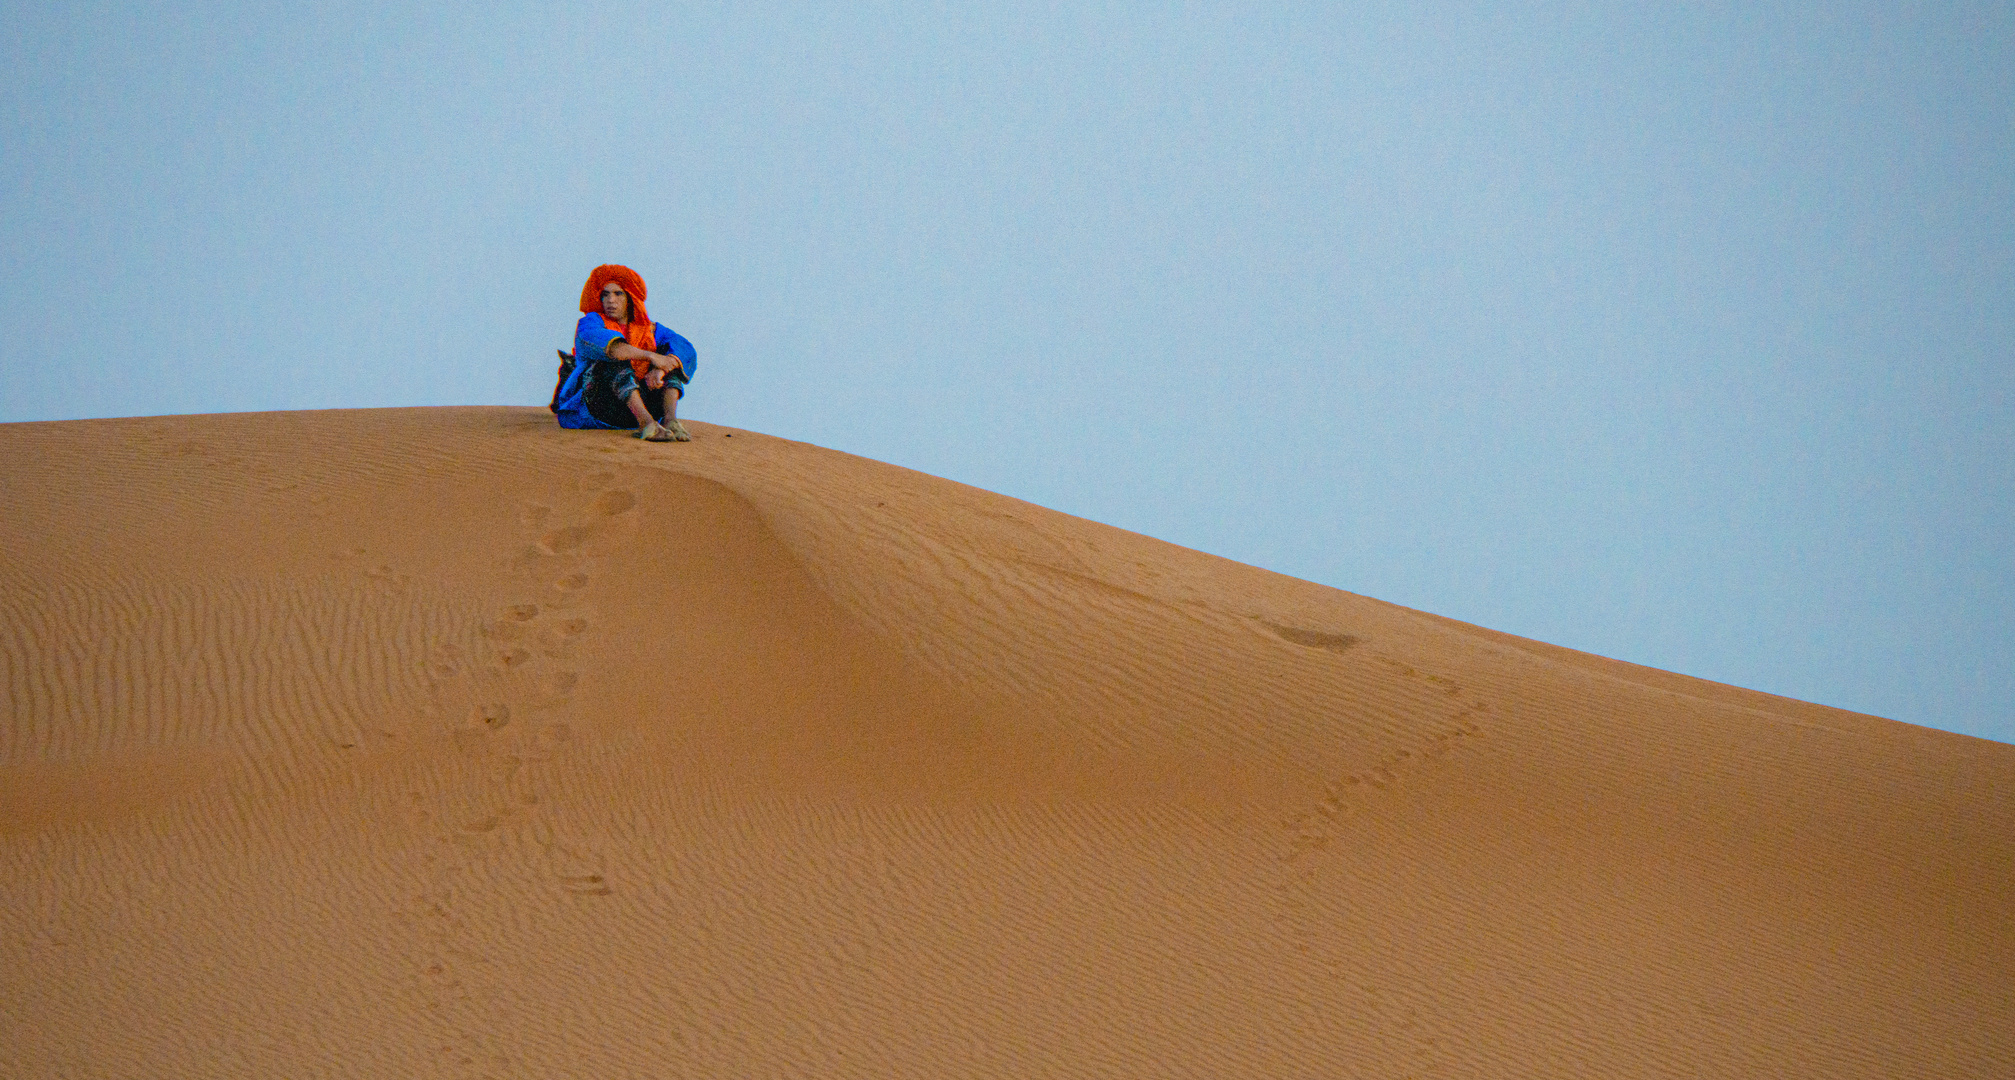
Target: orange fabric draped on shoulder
{"points": [[639, 331]]}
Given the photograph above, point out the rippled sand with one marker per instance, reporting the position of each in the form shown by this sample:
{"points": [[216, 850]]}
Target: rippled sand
{"points": [[442, 742]]}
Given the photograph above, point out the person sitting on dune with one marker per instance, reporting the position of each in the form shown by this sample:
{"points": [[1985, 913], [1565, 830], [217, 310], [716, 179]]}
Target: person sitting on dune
{"points": [[622, 357]]}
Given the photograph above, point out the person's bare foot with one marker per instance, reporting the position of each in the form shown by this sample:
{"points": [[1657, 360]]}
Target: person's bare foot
{"points": [[678, 430], [656, 432]]}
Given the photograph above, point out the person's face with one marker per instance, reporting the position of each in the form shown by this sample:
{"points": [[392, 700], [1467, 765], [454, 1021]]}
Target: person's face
{"points": [[615, 302]]}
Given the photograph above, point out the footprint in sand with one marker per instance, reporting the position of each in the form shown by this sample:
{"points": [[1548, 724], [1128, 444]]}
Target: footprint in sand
{"points": [[562, 682], [571, 582], [563, 540], [446, 661], [557, 642], [1311, 639], [611, 503]]}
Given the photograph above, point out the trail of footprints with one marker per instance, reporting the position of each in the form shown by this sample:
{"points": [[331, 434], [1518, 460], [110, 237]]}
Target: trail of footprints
{"points": [[1315, 829], [532, 645], [504, 706]]}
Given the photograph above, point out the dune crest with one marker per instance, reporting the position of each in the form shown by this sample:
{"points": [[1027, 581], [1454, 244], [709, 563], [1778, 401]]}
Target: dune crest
{"points": [[443, 742]]}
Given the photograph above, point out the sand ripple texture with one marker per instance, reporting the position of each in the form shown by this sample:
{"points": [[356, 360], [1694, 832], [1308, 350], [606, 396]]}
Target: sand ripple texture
{"points": [[418, 743]]}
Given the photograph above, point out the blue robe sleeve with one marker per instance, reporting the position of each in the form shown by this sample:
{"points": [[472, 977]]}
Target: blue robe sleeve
{"points": [[670, 341], [592, 338]]}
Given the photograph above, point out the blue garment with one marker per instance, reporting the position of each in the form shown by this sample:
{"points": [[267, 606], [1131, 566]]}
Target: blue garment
{"points": [[592, 339]]}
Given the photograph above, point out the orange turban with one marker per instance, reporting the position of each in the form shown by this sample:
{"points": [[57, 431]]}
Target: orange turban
{"points": [[638, 331]]}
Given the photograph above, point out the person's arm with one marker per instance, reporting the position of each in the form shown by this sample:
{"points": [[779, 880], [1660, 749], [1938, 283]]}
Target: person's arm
{"points": [[671, 341], [592, 340], [623, 350]]}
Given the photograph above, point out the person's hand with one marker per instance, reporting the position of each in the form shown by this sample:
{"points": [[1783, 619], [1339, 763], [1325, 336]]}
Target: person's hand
{"points": [[655, 378], [666, 362]]}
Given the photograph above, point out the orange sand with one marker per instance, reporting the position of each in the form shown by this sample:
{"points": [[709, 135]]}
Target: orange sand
{"points": [[444, 742]]}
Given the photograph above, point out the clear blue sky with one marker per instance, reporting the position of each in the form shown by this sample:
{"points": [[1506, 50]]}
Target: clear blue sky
{"points": [[1680, 335]]}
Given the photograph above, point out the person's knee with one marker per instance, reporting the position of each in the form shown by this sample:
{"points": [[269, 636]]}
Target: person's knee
{"points": [[624, 384]]}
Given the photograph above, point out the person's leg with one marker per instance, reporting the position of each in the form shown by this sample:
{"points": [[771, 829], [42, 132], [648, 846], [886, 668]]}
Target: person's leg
{"points": [[650, 430], [625, 386], [672, 412], [636, 403], [671, 423]]}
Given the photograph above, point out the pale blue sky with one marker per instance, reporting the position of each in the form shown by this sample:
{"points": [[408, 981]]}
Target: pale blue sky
{"points": [[1681, 336]]}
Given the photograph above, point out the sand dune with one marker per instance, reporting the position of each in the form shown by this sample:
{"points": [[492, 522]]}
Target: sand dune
{"points": [[448, 743]]}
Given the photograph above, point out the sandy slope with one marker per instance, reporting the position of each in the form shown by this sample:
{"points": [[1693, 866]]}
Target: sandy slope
{"points": [[444, 742]]}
